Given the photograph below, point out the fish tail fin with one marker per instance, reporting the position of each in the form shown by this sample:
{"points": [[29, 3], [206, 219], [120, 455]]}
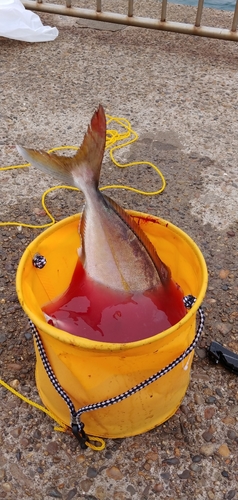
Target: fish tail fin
{"points": [[84, 167]]}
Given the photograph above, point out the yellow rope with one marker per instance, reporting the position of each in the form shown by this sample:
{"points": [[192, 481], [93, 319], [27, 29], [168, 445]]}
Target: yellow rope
{"points": [[112, 137], [63, 427], [96, 440]]}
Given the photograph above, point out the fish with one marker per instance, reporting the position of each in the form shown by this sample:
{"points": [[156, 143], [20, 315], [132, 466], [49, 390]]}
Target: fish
{"points": [[121, 290], [115, 252]]}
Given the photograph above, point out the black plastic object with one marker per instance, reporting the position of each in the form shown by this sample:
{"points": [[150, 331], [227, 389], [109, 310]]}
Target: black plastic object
{"points": [[220, 354], [80, 435]]}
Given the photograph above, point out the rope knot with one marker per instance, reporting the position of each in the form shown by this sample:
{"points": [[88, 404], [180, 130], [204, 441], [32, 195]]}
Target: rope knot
{"points": [[39, 261], [188, 301]]}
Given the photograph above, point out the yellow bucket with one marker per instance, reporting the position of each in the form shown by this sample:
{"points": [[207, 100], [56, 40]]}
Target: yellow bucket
{"points": [[91, 371]]}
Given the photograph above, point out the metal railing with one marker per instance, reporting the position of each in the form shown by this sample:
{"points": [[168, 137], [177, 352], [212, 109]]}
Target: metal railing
{"points": [[129, 19]]}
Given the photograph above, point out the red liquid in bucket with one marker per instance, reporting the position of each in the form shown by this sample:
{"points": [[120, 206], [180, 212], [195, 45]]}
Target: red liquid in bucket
{"points": [[93, 311]]}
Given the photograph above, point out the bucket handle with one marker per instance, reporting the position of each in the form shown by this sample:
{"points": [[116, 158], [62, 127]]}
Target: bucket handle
{"points": [[76, 424]]}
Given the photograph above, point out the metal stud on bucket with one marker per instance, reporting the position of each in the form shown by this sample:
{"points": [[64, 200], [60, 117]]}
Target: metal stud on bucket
{"points": [[114, 390]]}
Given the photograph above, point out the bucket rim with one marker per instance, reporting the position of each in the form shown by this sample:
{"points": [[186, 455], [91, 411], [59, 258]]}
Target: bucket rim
{"points": [[87, 344]]}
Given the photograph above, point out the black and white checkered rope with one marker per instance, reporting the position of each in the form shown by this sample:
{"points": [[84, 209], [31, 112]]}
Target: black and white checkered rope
{"points": [[39, 261], [51, 374], [189, 300]]}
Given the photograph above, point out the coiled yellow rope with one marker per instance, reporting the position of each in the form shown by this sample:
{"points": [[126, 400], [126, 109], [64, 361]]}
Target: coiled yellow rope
{"points": [[113, 137]]}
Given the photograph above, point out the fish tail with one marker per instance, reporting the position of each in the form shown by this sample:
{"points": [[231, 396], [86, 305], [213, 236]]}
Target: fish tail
{"points": [[84, 167]]}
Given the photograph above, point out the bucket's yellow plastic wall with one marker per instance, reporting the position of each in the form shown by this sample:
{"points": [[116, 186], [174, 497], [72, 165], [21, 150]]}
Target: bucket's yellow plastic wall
{"points": [[92, 371]]}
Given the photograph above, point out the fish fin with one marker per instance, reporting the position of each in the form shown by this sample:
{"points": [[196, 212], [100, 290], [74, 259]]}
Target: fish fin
{"points": [[50, 164], [82, 232], [93, 146], [163, 270], [84, 167]]}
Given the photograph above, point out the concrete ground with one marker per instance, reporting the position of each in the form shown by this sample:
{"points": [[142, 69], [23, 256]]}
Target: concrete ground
{"points": [[180, 95]]}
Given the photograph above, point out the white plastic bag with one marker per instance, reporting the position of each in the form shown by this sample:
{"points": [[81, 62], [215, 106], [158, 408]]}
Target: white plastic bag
{"points": [[20, 24]]}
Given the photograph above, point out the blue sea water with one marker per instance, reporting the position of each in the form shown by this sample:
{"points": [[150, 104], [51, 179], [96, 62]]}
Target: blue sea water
{"points": [[214, 4]]}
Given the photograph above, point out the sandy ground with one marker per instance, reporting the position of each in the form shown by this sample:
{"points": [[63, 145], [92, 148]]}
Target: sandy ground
{"points": [[180, 95]]}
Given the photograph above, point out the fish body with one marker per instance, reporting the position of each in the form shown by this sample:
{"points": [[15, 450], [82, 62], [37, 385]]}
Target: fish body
{"points": [[114, 251]]}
